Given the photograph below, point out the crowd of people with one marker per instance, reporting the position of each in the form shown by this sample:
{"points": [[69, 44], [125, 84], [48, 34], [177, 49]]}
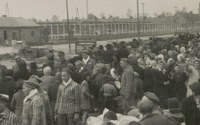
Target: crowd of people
{"points": [[156, 81]]}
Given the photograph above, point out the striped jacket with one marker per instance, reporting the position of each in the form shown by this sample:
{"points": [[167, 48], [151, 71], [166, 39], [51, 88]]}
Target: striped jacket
{"points": [[34, 110], [128, 87], [68, 99], [8, 118]]}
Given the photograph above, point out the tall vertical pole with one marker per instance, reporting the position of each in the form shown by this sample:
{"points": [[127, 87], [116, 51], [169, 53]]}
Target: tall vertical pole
{"points": [[7, 10], [87, 9], [138, 20], [68, 28], [143, 10]]}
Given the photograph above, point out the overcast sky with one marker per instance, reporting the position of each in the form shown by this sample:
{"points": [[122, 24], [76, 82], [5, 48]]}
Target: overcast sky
{"points": [[45, 9]]}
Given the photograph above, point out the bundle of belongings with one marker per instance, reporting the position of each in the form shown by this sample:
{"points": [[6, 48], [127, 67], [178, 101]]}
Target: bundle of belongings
{"points": [[111, 118]]}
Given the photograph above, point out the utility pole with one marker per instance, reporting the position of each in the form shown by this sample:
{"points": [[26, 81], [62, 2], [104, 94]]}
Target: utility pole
{"points": [[68, 28], [143, 10], [7, 10], [87, 8], [138, 20]]}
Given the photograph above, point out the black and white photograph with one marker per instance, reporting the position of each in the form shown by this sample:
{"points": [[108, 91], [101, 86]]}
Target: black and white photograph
{"points": [[99, 62]]}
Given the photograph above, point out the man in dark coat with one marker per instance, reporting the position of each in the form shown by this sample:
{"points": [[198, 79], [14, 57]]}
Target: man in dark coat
{"points": [[3, 70], [148, 78], [53, 89], [179, 78], [191, 106], [108, 54], [146, 107], [135, 66], [88, 62], [20, 70], [122, 52], [161, 84], [7, 85], [61, 63]]}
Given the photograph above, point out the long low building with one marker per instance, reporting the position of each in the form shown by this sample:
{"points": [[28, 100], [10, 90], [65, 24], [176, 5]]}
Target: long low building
{"points": [[112, 27], [19, 29]]}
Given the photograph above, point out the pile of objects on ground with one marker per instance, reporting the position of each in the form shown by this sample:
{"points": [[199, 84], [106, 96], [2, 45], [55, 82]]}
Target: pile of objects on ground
{"points": [[114, 118]]}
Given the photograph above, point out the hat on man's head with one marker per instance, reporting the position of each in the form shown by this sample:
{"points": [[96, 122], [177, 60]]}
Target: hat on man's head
{"points": [[151, 96], [61, 53], [4, 98], [33, 82], [110, 115], [125, 60], [78, 62], [173, 103], [85, 51], [195, 87], [17, 58]]}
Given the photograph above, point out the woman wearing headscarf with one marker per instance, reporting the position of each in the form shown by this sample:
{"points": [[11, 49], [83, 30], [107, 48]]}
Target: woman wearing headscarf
{"points": [[35, 108]]}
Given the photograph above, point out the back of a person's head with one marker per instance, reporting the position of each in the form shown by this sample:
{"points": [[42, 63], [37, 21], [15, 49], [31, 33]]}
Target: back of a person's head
{"points": [[109, 79], [134, 123], [110, 115], [19, 84], [195, 87], [58, 76], [47, 70], [9, 72], [146, 106], [173, 103]]}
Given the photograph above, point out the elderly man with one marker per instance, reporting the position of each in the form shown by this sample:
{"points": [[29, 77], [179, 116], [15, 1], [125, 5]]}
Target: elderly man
{"points": [[47, 79], [128, 87], [61, 63], [161, 84], [146, 107], [68, 100], [6, 116], [35, 108], [88, 62], [3, 70], [20, 70]]}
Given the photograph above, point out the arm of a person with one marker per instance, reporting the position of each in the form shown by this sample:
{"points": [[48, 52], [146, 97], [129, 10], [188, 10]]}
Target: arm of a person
{"points": [[188, 69], [77, 99], [13, 103], [57, 99], [86, 92], [114, 91]]}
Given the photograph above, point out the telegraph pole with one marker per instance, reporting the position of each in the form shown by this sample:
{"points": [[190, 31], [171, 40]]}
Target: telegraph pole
{"points": [[143, 10], [138, 21], [87, 9], [68, 28], [7, 10]]}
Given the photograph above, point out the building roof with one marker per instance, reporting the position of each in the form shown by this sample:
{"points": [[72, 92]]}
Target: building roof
{"points": [[90, 21], [16, 22]]}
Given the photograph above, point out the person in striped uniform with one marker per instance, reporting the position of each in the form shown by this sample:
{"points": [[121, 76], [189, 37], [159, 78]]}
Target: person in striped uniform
{"points": [[67, 107], [35, 107], [6, 116]]}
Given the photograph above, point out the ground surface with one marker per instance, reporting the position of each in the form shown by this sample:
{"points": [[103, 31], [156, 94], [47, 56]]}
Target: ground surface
{"points": [[60, 47]]}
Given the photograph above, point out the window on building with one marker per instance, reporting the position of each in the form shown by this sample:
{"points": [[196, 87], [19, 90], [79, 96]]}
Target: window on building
{"points": [[14, 35], [32, 33]]}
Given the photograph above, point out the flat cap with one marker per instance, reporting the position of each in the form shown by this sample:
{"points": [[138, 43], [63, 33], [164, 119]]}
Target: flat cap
{"points": [[85, 51], [151, 96]]}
